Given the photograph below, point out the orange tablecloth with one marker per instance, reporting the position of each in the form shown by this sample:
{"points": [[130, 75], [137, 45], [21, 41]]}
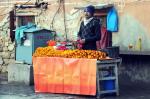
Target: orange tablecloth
{"points": [[65, 75]]}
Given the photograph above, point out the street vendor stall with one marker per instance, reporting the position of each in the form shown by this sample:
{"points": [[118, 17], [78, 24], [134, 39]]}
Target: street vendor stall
{"points": [[73, 71]]}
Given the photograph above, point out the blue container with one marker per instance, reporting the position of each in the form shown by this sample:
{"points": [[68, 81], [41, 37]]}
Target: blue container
{"points": [[109, 84], [30, 39]]}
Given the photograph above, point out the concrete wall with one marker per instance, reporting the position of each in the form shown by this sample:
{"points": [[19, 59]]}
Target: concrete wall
{"points": [[134, 23], [134, 69]]}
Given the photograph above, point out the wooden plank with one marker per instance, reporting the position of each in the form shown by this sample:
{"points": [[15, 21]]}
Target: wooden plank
{"points": [[135, 52], [97, 83], [105, 65], [12, 25], [108, 91], [108, 78], [109, 61], [116, 81]]}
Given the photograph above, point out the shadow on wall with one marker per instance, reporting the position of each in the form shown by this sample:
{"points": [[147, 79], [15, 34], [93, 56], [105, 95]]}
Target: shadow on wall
{"points": [[130, 30]]}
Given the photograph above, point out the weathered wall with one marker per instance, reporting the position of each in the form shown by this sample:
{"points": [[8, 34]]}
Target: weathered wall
{"points": [[132, 17], [7, 51], [54, 18], [134, 69], [134, 23]]}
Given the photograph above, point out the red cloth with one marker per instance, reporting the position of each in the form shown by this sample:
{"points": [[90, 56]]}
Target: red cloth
{"points": [[104, 42], [65, 75]]}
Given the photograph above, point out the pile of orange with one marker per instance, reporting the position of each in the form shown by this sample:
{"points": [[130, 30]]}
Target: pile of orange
{"points": [[50, 52]]}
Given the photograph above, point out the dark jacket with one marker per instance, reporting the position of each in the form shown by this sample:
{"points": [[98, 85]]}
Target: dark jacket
{"points": [[91, 34]]}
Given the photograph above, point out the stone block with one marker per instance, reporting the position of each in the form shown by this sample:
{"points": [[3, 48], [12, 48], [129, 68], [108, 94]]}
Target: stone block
{"points": [[10, 47], [12, 55], [1, 61], [6, 61], [1, 48], [4, 69], [6, 55], [6, 44], [5, 48], [1, 68], [11, 61], [1, 54], [20, 73]]}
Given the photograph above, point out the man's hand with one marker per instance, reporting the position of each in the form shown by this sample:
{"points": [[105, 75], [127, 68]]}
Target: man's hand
{"points": [[78, 38], [82, 41]]}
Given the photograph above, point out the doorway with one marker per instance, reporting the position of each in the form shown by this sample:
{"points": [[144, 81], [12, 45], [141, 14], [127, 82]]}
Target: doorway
{"points": [[106, 36]]}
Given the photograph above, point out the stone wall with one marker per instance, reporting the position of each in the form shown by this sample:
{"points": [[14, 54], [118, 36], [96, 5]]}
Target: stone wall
{"points": [[7, 50]]}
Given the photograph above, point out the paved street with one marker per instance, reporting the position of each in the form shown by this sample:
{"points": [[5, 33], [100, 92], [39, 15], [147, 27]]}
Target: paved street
{"points": [[25, 92], [16, 91], [11, 91]]}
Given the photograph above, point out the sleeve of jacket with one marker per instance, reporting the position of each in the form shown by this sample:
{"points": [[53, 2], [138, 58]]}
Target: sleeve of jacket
{"points": [[80, 29], [97, 33]]}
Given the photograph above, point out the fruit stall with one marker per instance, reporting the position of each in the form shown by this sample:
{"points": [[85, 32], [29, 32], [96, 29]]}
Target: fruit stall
{"points": [[61, 68]]}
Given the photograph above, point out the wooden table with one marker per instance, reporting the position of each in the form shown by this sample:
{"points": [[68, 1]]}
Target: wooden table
{"points": [[110, 66]]}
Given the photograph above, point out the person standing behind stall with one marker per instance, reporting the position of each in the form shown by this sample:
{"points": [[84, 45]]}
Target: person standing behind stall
{"points": [[89, 31]]}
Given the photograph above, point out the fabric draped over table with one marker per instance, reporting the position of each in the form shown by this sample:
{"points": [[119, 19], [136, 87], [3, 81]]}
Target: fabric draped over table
{"points": [[65, 75]]}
